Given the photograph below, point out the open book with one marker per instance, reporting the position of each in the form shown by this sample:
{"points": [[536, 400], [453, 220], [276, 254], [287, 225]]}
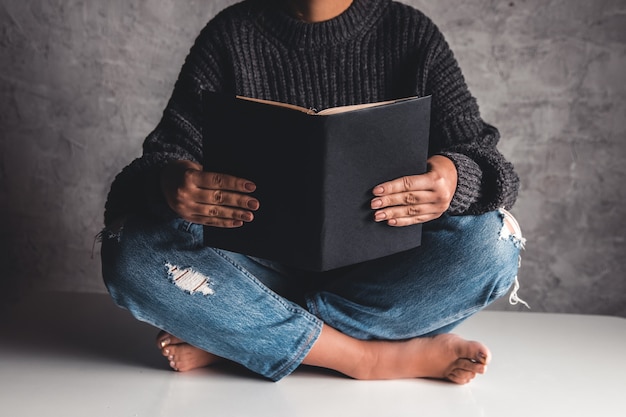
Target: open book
{"points": [[325, 112], [314, 173]]}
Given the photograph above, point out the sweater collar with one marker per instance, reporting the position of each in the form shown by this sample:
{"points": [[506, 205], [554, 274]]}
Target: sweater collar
{"points": [[290, 31]]}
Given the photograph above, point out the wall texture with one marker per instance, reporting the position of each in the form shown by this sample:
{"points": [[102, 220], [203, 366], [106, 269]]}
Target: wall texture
{"points": [[83, 81]]}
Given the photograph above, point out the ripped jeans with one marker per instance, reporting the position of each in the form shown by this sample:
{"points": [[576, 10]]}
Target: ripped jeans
{"points": [[267, 317]]}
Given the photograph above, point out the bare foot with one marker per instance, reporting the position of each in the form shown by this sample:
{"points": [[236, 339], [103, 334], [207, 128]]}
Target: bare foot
{"points": [[181, 355], [445, 356]]}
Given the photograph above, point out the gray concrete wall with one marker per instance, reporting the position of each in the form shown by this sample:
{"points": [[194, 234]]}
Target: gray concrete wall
{"points": [[83, 82]]}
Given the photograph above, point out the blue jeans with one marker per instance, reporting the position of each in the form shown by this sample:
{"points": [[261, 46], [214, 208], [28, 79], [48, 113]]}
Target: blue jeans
{"points": [[267, 316]]}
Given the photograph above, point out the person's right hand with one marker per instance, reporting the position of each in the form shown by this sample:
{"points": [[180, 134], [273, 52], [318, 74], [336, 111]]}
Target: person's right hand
{"points": [[207, 198]]}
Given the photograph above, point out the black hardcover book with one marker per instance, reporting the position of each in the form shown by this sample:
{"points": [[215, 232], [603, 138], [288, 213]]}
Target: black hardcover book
{"points": [[314, 173]]}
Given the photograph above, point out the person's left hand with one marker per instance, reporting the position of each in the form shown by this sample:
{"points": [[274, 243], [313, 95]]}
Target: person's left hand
{"points": [[416, 198]]}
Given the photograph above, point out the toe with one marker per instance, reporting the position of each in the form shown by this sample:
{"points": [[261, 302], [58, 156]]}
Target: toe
{"points": [[474, 351], [461, 376], [470, 366], [165, 339], [479, 353]]}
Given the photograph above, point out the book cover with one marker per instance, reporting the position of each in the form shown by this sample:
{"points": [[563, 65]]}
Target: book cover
{"points": [[314, 173]]}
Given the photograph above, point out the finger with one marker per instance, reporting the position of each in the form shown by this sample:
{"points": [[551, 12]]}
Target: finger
{"points": [[409, 215], [405, 199], [403, 184], [218, 181], [409, 221], [217, 222], [225, 198], [207, 212], [397, 212]]}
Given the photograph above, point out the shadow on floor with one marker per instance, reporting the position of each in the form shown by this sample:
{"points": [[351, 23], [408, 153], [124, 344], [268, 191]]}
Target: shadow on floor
{"points": [[84, 326]]}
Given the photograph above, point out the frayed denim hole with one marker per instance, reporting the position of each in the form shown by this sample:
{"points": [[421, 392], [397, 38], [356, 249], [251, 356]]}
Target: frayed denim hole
{"points": [[520, 242], [189, 280], [113, 232], [509, 222]]}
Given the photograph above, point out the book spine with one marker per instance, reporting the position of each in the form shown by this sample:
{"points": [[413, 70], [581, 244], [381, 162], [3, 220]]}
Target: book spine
{"points": [[319, 135]]}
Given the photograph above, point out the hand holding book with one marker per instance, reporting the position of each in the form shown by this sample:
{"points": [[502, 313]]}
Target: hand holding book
{"points": [[208, 198], [418, 198]]}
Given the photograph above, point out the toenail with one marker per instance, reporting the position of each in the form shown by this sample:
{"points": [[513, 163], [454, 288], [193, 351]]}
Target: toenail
{"points": [[165, 342]]}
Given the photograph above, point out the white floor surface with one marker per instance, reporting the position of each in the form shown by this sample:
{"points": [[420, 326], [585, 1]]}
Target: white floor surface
{"points": [[79, 355]]}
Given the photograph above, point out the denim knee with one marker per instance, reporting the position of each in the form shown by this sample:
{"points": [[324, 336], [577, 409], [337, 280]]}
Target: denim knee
{"points": [[464, 264], [131, 261], [212, 299], [498, 239]]}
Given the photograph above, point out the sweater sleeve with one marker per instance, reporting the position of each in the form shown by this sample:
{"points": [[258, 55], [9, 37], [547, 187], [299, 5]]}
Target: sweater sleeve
{"points": [[177, 136], [486, 180]]}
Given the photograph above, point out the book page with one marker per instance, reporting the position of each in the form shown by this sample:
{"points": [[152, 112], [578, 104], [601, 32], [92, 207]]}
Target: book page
{"points": [[343, 109], [325, 112], [278, 103]]}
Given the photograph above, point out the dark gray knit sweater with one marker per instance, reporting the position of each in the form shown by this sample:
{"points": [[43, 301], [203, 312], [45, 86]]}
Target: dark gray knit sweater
{"points": [[376, 50]]}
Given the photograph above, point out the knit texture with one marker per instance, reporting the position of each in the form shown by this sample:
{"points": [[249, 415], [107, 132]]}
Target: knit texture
{"points": [[376, 50]]}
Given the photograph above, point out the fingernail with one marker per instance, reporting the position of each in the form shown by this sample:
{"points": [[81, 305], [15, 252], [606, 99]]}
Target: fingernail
{"points": [[171, 357], [167, 351], [380, 215], [253, 204], [173, 364], [165, 342], [377, 203], [250, 186], [378, 190]]}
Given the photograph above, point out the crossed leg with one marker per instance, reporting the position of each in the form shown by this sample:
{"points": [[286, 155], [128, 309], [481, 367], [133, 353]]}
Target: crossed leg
{"points": [[444, 356]]}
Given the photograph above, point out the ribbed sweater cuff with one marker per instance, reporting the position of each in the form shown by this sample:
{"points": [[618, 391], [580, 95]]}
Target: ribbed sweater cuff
{"points": [[469, 180]]}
